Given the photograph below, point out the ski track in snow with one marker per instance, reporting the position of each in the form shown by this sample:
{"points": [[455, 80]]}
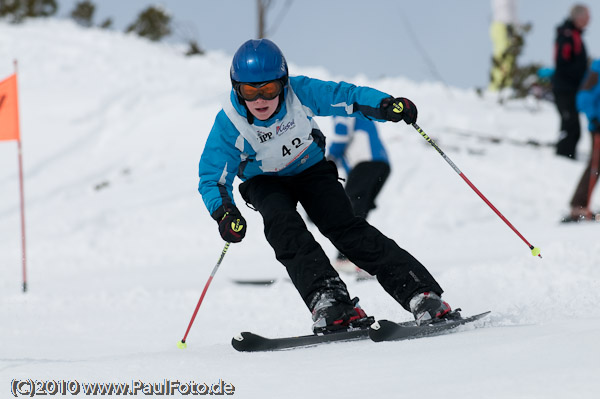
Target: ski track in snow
{"points": [[120, 244]]}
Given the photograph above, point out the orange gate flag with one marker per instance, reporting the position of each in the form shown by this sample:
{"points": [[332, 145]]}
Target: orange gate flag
{"points": [[9, 109]]}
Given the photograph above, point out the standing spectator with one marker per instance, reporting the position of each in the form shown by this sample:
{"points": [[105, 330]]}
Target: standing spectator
{"points": [[505, 37], [571, 63], [357, 148], [588, 101]]}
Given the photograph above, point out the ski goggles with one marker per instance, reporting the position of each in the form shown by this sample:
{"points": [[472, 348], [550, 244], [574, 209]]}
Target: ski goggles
{"points": [[265, 90]]}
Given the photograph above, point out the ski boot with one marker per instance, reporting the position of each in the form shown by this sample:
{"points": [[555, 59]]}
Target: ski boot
{"points": [[429, 308], [331, 315]]}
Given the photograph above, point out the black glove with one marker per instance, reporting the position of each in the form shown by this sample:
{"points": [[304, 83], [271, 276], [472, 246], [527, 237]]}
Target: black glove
{"points": [[595, 125], [398, 109], [232, 226]]}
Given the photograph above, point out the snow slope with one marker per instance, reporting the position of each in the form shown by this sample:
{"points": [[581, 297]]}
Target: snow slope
{"points": [[120, 245]]}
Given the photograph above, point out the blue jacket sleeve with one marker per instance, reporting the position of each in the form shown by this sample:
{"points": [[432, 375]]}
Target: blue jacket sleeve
{"points": [[341, 99], [218, 167], [588, 98]]}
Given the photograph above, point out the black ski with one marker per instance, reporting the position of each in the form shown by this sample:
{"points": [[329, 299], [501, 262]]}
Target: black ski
{"points": [[249, 342], [385, 330], [254, 282], [581, 219]]}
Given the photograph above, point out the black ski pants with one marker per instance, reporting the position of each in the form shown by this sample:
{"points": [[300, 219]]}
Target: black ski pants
{"points": [[364, 183], [326, 203], [570, 128]]}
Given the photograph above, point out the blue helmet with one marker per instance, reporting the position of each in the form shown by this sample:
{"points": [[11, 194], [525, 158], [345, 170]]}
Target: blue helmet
{"points": [[258, 61]]}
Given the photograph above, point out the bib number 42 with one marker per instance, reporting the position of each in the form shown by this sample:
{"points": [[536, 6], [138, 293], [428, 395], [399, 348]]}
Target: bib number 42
{"points": [[296, 143]]}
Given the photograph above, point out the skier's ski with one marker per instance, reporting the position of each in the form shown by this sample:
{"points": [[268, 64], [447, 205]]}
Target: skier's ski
{"points": [[249, 342], [254, 282], [385, 330], [581, 219], [382, 330], [486, 137]]}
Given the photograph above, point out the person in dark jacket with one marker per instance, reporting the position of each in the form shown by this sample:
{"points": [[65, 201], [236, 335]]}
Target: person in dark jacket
{"points": [[571, 64]]}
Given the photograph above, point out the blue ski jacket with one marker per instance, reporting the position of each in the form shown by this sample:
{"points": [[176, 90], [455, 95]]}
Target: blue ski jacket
{"points": [[588, 98], [355, 141], [284, 145]]}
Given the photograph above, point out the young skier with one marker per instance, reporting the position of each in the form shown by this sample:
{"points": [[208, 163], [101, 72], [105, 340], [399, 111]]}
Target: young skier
{"points": [[588, 101], [267, 136]]}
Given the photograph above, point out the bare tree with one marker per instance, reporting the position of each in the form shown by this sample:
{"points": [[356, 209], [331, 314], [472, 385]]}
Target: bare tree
{"points": [[263, 7]]}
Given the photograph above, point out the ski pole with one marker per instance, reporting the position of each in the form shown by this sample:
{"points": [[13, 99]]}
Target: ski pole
{"points": [[535, 251], [181, 344]]}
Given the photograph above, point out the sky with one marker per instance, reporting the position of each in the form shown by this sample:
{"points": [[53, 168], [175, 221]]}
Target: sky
{"points": [[438, 40]]}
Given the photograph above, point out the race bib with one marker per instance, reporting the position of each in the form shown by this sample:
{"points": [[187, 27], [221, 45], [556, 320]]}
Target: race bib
{"points": [[281, 143]]}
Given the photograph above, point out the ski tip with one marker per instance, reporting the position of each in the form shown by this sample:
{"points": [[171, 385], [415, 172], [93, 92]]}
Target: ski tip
{"points": [[379, 331], [239, 337], [247, 342], [238, 342]]}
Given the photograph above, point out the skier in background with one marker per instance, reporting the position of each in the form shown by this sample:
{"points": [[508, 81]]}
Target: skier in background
{"points": [[267, 136], [588, 101], [571, 63], [356, 147]]}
